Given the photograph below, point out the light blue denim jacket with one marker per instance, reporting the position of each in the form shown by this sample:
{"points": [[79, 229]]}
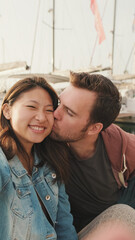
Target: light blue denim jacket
{"points": [[21, 215]]}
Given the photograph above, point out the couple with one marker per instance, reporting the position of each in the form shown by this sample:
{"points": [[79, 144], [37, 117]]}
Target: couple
{"points": [[34, 166]]}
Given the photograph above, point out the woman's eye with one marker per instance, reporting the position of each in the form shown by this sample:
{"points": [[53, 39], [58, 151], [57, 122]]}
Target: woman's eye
{"points": [[31, 106], [50, 110]]}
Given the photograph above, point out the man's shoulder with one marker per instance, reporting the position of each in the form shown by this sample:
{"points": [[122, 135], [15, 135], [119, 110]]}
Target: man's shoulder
{"points": [[119, 146], [113, 128], [118, 134]]}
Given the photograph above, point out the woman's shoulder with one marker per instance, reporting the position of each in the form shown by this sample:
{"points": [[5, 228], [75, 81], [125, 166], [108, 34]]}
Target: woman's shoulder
{"points": [[3, 159], [4, 170]]}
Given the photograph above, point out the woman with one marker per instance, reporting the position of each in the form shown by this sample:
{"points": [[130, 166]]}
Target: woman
{"points": [[33, 202]]}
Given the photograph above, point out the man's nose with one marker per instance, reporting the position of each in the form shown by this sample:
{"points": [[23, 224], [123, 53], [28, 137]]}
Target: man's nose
{"points": [[57, 113]]}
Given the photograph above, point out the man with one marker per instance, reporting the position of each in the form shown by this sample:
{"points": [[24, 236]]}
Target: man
{"points": [[101, 154], [115, 223]]}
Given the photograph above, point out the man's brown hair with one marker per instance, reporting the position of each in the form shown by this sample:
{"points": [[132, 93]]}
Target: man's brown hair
{"points": [[108, 101]]}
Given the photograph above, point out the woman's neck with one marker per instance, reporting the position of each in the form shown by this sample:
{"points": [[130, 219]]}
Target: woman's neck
{"points": [[27, 162]]}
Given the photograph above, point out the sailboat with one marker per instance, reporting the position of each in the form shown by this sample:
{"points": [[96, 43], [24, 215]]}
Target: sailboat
{"points": [[61, 36]]}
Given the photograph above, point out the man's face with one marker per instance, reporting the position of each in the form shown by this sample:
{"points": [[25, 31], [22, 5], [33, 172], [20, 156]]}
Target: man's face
{"points": [[72, 115]]}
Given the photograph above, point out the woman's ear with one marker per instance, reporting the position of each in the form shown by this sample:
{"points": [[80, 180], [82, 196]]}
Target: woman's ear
{"points": [[6, 111]]}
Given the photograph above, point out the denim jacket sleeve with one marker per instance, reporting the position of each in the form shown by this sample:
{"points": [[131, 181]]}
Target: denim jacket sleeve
{"points": [[4, 171], [64, 227]]}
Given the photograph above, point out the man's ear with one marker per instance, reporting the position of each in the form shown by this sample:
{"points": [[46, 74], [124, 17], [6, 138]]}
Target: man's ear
{"points": [[95, 128], [6, 111]]}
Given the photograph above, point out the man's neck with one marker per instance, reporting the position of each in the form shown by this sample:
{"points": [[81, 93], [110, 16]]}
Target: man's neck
{"points": [[84, 148]]}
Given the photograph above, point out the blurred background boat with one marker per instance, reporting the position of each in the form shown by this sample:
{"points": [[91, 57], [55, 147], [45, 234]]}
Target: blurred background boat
{"points": [[57, 36]]}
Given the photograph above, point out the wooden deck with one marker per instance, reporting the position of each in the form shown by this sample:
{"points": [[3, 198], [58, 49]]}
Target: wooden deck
{"points": [[126, 117]]}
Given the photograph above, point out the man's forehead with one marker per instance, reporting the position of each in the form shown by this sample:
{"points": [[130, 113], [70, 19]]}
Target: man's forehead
{"points": [[75, 96], [72, 91]]}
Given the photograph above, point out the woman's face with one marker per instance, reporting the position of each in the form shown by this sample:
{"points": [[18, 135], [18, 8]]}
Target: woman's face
{"points": [[31, 116]]}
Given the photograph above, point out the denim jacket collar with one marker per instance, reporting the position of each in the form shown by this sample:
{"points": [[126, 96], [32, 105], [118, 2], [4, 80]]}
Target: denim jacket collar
{"points": [[17, 167]]}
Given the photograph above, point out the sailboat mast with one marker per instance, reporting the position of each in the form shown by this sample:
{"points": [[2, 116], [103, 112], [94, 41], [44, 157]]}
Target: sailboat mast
{"points": [[113, 40], [53, 38], [35, 34]]}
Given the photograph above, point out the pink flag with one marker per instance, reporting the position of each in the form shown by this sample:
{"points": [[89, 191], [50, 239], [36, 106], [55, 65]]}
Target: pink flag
{"points": [[98, 21], [133, 25]]}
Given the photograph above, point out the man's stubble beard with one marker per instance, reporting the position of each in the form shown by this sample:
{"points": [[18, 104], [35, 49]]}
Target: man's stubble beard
{"points": [[68, 138]]}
